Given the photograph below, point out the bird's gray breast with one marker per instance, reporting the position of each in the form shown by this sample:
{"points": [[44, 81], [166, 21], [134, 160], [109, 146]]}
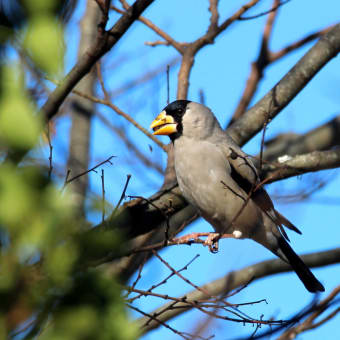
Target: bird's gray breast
{"points": [[202, 171]]}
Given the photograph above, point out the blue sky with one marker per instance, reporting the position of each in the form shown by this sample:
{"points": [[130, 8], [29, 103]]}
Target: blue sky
{"points": [[220, 70]]}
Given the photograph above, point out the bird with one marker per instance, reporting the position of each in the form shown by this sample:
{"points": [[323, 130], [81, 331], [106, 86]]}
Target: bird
{"points": [[223, 184]]}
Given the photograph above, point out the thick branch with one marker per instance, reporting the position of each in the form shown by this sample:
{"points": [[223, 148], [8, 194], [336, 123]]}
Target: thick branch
{"points": [[104, 42], [323, 137], [301, 164], [287, 88]]}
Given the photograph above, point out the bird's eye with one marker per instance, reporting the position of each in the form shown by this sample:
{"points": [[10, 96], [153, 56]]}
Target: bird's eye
{"points": [[180, 110]]}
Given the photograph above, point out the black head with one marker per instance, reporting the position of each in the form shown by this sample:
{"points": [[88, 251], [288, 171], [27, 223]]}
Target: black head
{"points": [[177, 109]]}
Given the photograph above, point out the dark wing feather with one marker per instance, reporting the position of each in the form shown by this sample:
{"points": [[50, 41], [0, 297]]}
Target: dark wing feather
{"points": [[245, 175]]}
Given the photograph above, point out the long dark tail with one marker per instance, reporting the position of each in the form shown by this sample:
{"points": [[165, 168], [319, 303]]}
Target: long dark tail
{"points": [[306, 276]]}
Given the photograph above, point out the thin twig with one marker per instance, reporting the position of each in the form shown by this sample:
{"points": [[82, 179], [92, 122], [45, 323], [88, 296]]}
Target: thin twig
{"points": [[274, 56], [123, 114], [89, 170], [178, 46], [104, 42], [160, 245], [66, 179], [50, 159], [156, 43], [139, 275], [165, 280], [120, 131], [262, 141], [103, 196], [128, 177], [273, 9], [204, 291], [192, 48], [166, 217], [160, 322], [168, 83], [201, 96], [257, 67], [315, 312], [186, 303], [101, 81], [144, 78]]}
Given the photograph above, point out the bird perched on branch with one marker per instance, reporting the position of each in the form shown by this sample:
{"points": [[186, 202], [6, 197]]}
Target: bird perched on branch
{"points": [[221, 181]]}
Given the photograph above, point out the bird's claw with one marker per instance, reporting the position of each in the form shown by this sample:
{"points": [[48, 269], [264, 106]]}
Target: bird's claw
{"points": [[212, 242]]}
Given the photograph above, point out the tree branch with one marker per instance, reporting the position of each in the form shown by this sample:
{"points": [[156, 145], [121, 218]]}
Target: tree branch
{"points": [[104, 42], [287, 88], [208, 38], [239, 278], [170, 41], [323, 137], [310, 323], [257, 67], [301, 164]]}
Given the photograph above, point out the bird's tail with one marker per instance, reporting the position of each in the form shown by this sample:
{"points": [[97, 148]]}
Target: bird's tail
{"points": [[303, 272]]}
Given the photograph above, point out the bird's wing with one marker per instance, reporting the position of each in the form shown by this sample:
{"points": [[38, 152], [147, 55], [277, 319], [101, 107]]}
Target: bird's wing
{"points": [[245, 174]]}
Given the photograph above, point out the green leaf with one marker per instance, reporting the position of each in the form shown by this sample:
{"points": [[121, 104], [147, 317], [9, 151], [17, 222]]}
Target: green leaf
{"points": [[20, 125], [44, 41], [40, 6]]}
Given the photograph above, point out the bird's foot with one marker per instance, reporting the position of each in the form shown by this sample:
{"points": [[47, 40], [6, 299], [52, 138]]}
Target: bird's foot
{"points": [[213, 238]]}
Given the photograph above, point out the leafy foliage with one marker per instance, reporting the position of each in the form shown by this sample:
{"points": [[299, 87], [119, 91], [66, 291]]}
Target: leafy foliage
{"points": [[42, 288]]}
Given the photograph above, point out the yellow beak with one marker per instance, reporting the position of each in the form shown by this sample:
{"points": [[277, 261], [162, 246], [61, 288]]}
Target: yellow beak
{"points": [[163, 124]]}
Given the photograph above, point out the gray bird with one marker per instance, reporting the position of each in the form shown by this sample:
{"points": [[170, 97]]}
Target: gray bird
{"points": [[221, 181]]}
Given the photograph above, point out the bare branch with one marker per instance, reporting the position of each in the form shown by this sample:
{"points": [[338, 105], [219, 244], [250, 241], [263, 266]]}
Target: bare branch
{"points": [[156, 43], [265, 58], [178, 46], [123, 114], [128, 177], [132, 147], [89, 170], [322, 137], [287, 88], [300, 164], [165, 280], [103, 196], [274, 56], [238, 278], [103, 44], [310, 323], [160, 322], [214, 14], [257, 67], [273, 9], [93, 22], [144, 77], [192, 48], [50, 157]]}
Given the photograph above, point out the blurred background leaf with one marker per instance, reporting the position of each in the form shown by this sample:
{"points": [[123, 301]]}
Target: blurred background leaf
{"points": [[40, 280]]}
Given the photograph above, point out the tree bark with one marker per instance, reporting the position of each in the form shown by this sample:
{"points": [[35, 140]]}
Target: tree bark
{"points": [[82, 111]]}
